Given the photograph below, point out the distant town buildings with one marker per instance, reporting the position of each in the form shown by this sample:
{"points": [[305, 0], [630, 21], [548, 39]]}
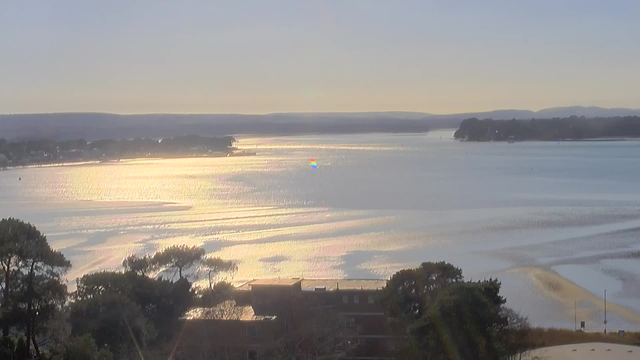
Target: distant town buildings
{"points": [[43, 152]]}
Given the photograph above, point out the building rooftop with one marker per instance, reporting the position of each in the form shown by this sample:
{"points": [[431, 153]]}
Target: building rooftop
{"points": [[274, 282], [319, 284], [227, 310], [268, 282], [343, 284]]}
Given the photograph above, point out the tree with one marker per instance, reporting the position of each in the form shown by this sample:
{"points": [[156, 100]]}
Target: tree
{"points": [[178, 257], [220, 292], [44, 290], [7, 348], [409, 290], [93, 285], [214, 266], [4, 162], [516, 333], [56, 330], [114, 320], [491, 290], [22, 350], [38, 301], [462, 323], [13, 233], [439, 275], [572, 127], [33, 288], [84, 348], [161, 301], [138, 265], [448, 318]]}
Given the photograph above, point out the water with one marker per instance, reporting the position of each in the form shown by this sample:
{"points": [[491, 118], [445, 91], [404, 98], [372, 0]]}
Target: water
{"points": [[556, 222]]}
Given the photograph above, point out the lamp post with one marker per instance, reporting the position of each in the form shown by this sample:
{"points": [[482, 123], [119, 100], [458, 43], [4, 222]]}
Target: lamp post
{"points": [[605, 311]]}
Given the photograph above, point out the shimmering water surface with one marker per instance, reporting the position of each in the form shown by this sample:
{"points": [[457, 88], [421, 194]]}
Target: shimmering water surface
{"points": [[556, 222]]}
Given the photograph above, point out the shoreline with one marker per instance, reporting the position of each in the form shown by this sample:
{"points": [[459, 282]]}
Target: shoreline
{"points": [[560, 140], [567, 294], [111, 161]]}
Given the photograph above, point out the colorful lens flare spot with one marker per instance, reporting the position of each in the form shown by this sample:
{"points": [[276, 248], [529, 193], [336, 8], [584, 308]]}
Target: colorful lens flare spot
{"points": [[314, 164]]}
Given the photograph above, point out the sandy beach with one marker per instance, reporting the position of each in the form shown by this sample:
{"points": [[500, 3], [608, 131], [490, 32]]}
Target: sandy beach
{"points": [[587, 351], [567, 293]]}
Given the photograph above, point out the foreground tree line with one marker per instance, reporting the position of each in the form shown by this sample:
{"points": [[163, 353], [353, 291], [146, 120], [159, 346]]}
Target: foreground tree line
{"points": [[29, 152], [135, 312], [549, 129], [111, 315], [446, 317]]}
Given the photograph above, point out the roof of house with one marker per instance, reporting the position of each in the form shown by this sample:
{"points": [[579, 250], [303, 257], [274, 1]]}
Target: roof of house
{"points": [[227, 310], [314, 284], [274, 282], [343, 284]]}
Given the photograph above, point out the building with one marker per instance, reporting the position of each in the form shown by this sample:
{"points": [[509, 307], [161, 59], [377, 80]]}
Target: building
{"points": [[227, 331], [314, 318]]}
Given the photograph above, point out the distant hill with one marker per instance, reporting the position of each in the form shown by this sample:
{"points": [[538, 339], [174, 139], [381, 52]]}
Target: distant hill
{"points": [[92, 126], [589, 112], [550, 113], [358, 115]]}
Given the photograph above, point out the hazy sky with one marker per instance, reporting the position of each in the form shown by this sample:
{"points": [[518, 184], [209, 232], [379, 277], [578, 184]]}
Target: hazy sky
{"points": [[269, 56]]}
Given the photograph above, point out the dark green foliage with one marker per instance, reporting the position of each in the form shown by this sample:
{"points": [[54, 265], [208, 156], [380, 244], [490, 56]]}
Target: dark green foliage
{"points": [[449, 319], [31, 278], [517, 335], [40, 304], [178, 258], [7, 348], [548, 129], [138, 265], [408, 291], [215, 265], [462, 323], [161, 302], [22, 352], [123, 312], [220, 292], [104, 282], [113, 320], [84, 348]]}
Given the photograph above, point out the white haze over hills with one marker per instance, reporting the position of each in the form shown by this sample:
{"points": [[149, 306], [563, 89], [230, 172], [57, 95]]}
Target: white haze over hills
{"points": [[92, 126]]}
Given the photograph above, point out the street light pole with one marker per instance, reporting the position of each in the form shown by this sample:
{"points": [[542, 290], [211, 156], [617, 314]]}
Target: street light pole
{"points": [[605, 311], [575, 316]]}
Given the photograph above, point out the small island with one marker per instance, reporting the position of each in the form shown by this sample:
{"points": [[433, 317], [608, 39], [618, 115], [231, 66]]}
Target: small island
{"points": [[45, 152], [556, 129]]}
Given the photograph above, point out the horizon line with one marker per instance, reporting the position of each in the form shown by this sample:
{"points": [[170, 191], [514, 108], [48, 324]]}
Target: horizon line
{"points": [[317, 112]]}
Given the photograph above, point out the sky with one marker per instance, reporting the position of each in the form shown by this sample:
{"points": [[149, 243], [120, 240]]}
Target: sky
{"points": [[128, 56]]}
